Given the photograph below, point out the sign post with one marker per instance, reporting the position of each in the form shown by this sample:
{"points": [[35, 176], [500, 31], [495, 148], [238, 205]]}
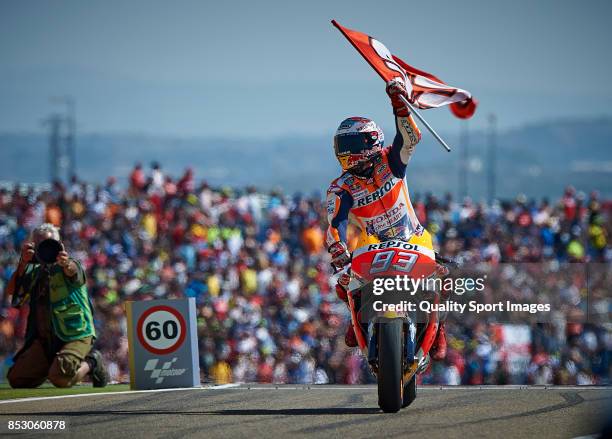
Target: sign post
{"points": [[163, 344]]}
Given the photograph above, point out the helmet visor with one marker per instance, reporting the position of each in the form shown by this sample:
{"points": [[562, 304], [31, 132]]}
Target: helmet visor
{"points": [[355, 143]]}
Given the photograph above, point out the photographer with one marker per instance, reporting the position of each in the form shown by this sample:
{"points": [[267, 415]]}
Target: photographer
{"points": [[60, 331]]}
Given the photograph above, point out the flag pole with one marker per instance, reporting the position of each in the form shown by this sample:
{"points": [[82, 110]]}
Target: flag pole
{"points": [[424, 122]]}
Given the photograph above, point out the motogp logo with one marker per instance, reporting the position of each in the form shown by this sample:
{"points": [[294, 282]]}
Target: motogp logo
{"points": [[377, 194], [166, 370]]}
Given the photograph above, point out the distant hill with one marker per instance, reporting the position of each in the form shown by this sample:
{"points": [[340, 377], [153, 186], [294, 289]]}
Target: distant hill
{"points": [[538, 160]]}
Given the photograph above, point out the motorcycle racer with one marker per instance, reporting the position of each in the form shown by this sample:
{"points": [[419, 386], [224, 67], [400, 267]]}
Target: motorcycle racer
{"points": [[371, 193]]}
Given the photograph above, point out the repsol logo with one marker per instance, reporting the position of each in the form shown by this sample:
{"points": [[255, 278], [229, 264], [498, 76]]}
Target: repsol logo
{"points": [[377, 194], [396, 244]]}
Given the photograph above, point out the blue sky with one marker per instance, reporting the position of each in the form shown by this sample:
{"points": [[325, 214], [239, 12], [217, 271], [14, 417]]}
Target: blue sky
{"points": [[265, 69]]}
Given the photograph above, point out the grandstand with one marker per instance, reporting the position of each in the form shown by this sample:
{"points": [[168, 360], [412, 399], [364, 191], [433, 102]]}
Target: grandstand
{"points": [[267, 311]]}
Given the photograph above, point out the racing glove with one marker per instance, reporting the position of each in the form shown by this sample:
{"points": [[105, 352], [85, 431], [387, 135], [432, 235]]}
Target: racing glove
{"points": [[395, 89], [339, 254], [342, 286]]}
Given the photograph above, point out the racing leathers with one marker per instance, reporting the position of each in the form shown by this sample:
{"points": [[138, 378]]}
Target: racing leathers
{"points": [[378, 205]]}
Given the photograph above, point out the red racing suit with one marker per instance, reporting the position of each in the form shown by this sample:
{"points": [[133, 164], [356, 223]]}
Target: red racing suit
{"points": [[379, 206]]}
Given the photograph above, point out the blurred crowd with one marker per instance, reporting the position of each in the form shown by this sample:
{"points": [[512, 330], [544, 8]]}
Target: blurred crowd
{"points": [[266, 308]]}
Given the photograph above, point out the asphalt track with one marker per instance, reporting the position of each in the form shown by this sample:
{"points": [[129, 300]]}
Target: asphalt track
{"points": [[322, 411]]}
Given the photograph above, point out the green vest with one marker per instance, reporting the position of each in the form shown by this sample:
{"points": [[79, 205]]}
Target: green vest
{"points": [[70, 305]]}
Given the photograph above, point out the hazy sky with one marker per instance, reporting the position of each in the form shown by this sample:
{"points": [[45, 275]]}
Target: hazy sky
{"points": [[246, 68]]}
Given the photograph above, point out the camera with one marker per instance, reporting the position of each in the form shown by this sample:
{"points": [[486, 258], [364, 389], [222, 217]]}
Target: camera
{"points": [[47, 250]]}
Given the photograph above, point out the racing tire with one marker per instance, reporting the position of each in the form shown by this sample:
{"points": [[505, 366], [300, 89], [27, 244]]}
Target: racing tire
{"points": [[409, 392], [390, 386]]}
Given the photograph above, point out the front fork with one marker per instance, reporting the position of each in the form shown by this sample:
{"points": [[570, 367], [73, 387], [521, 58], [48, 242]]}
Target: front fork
{"points": [[409, 342]]}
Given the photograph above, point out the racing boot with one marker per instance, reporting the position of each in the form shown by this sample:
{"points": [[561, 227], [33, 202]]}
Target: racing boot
{"points": [[438, 350], [350, 339], [97, 369]]}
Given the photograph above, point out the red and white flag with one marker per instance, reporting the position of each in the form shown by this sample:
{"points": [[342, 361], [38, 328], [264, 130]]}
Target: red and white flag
{"points": [[426, 91]]}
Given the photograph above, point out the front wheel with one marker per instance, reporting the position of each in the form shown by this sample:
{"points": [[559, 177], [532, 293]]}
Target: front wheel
{"points": [[390, 386]]}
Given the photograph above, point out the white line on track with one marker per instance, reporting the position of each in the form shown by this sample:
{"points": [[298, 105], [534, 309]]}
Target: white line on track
{"points": [[221, 386], [123, 392]]}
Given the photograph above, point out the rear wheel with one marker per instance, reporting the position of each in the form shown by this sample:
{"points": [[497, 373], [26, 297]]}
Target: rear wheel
{"points": [[390, 334], [409, 392]]}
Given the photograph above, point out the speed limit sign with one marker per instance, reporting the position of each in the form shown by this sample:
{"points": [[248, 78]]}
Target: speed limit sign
{"points": [[163, 349], [161, 329]]}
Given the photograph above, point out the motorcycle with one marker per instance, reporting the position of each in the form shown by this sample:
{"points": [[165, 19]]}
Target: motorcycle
{"points": [[395, 345]]}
